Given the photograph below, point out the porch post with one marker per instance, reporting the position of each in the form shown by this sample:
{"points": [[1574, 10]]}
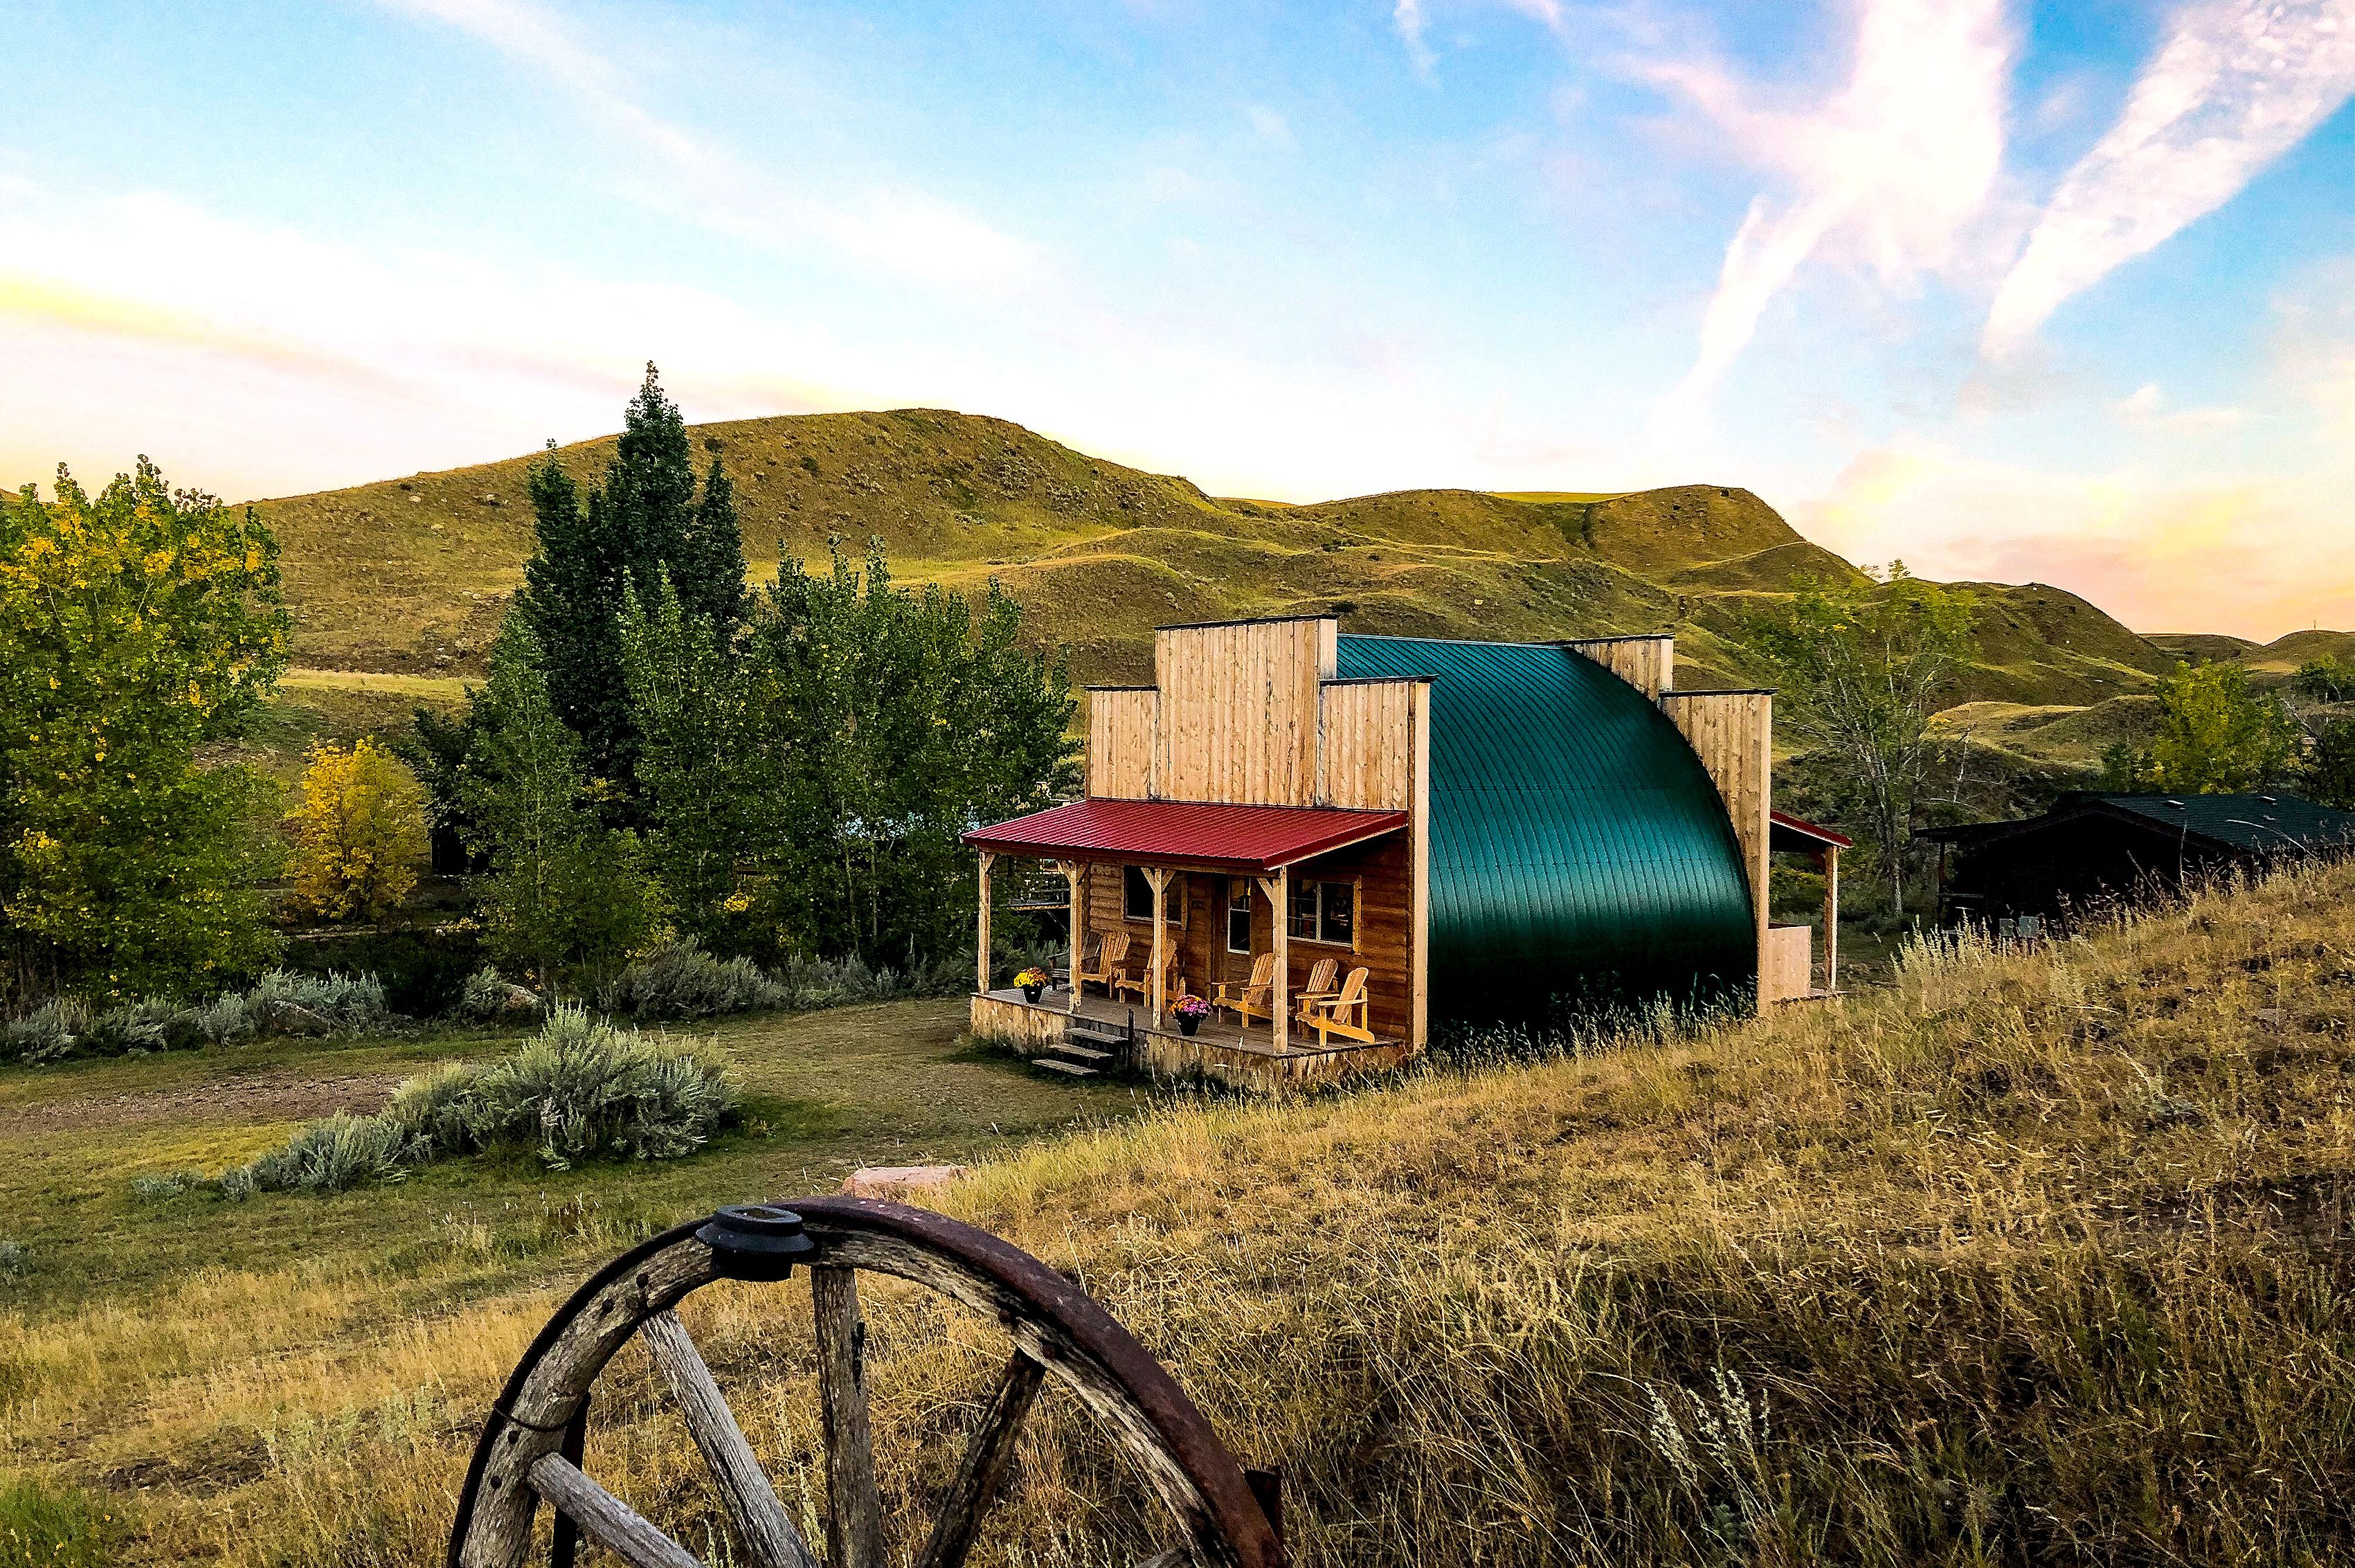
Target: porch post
{"points": [[981, 956], [1075, 874], [1279, 893], [1158, 875], [1831, 917]]}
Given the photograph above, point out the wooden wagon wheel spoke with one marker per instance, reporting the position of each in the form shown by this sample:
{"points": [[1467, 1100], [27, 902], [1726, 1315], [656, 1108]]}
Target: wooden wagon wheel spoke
{"points": [[854, 1515], [529, 1448], [745, 1495], [987, 1454], [606, 1519]]}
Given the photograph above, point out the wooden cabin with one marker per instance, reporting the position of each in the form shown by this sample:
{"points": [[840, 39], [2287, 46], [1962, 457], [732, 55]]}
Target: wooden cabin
{"points": [[1435, 829]]}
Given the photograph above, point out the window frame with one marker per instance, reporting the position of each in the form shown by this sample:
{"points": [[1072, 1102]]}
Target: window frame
{"points": [[1242, 900], [1357, 886], [1173, 903]]}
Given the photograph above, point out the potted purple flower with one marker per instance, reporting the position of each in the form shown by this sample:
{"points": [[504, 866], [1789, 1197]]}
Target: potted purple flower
{"points": [[1189, 1012]]}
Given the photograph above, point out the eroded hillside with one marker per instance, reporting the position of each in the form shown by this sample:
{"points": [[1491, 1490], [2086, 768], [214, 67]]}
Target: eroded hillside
{"points": [[412, 575]]}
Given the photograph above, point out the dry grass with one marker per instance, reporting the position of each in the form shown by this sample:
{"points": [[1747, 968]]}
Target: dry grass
{"points": [[2035, 1256]]}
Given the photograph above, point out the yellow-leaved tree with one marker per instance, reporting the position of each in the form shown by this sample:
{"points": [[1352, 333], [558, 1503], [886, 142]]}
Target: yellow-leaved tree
{"points": [[360, 831]]}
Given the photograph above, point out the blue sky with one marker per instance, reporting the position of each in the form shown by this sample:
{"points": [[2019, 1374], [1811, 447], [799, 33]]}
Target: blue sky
{"points": [[2062, 292]]}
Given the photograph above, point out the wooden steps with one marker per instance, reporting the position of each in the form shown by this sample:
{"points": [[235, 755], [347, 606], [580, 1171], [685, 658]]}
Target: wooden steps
{"points": [[1089, 1046]]}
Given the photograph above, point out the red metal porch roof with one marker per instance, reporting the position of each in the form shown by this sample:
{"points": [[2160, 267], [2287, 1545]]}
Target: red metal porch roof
{"points": [[1191, 833], [1782, 827]]}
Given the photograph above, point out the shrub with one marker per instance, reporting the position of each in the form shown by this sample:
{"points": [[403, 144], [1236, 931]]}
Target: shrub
{"points": [[679, 980], [225, 1017], [338, 1000], [488, 994], [151, 1024], [342, 1151], [153, 1188], [15, 1258], [581, 1090], [50, 1032]]}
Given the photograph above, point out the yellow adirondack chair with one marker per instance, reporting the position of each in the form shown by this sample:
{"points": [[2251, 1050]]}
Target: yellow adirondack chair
{"points": [[1104, 968], [1334, 1013], [1173, 984], [1254, 999], [1319, 988]]}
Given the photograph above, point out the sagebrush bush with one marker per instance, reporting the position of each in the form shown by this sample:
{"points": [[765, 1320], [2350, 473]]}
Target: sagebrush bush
{"points": [[680, 980], [48, 1033], [343, 1001], [581, 1090]]}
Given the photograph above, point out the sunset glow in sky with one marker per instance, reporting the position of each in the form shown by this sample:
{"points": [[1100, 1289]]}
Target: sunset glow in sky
{"points": [[2060, 291]]}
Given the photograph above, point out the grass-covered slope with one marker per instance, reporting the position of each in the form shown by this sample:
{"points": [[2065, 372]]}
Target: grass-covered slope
{"points": [[412, 575], [2035, 1256]]}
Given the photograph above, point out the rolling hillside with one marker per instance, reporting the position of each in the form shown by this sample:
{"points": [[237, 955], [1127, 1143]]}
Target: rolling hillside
{"points": [[411, 576]]}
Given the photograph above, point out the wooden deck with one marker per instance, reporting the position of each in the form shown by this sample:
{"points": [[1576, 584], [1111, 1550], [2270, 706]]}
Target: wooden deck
{"points": [[1218, 1050]]}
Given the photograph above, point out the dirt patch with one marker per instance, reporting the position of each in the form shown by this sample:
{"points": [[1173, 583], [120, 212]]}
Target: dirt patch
{"points": [[275, 1095]]}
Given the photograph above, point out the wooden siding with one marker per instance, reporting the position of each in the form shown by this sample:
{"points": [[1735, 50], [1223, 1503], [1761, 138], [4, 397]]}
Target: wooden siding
{"points": [[1369, 751], [1789, 970], [1240, 712], [1123, 739], [1647, 663], [1733, 732]]}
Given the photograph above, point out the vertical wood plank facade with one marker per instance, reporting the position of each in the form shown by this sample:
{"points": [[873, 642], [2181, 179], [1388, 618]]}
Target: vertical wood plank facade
{"points": [[1647, 663], [1733, 732]]}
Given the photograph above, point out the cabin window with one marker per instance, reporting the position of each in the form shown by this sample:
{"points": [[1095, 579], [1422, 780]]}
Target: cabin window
{"points": [[1238, 915], [1136, 897], [1325, 912]]}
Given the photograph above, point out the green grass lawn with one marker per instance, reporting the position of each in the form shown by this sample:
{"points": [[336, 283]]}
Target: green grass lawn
{"points": [[825, 1093]]}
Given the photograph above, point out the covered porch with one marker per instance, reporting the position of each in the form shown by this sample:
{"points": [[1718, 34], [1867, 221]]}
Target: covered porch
{"points": [[1292, 921], [1060, 1029], [1787, 969]]}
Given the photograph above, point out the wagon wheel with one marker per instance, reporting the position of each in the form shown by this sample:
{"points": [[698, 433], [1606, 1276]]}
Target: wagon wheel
{"points": [[530, 1449]]}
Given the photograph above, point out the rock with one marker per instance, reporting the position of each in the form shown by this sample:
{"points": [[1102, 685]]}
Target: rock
{"points": [[2272, 1018], [899, 1180], [292, 1017]]}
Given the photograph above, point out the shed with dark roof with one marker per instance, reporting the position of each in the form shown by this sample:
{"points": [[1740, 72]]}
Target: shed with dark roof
{"points": [[2090, 850]]}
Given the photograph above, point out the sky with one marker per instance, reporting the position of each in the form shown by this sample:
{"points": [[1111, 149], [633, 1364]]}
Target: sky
{"points": [[2008, 290]]}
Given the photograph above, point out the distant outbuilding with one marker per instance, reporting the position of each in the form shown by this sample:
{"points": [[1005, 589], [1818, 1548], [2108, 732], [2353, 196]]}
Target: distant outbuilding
{"points": [[2090, 850]]}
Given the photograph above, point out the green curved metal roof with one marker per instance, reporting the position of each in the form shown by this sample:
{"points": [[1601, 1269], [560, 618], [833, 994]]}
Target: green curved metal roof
{"points": [[1578, 852]]}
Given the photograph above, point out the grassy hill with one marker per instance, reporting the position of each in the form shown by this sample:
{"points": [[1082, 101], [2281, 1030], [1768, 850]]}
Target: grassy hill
{"points": [[2032, 1257], [412, 575], [2268, 663]]}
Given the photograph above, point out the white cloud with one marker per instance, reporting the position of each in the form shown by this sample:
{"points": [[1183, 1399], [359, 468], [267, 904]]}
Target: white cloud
{"points": [[910, 232], [2146, 407], [1406, 15], [1899, 162], [2237, 84]]}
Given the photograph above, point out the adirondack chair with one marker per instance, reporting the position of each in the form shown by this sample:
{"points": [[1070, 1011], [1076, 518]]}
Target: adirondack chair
{"points": [[1173, 984], [1254, 997], [1104, 968], [1319, 988], [1334, 1013]]}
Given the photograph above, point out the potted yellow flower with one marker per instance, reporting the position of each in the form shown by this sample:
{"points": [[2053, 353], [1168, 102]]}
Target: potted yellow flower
{"points": [[1189, 1012], [1033, 982]]}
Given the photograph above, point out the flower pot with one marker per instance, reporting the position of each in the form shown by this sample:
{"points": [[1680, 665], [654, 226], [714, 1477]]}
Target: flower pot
{"points": [[1032, 993], [1187, 1026]]}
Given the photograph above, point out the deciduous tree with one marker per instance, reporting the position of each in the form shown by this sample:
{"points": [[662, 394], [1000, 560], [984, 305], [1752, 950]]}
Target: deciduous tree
{"points": [[1863, 666], [360, 836], [2216, 735], [135, 624]]}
